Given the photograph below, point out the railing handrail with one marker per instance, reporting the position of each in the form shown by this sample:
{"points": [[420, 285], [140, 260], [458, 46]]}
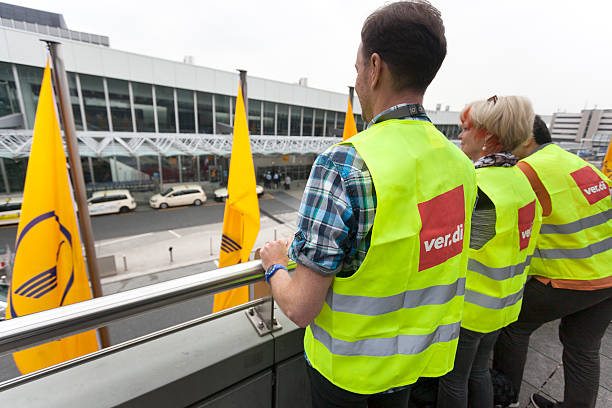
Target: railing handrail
{"points": [[37, 328]]}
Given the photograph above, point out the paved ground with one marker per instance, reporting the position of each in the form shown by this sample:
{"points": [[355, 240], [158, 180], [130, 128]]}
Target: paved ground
{"points": [[544, 370]]}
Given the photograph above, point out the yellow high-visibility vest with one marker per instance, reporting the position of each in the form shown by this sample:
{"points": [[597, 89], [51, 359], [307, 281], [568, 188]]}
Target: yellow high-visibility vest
{"points": [[398, 317], [575, 240], [497, 272]]}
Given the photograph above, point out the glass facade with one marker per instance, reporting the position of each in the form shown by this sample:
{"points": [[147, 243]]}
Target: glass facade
{"points": [[9, 103], [330, 123], [319, 122], [94, 102], [119, 100], [16, 172], [143, 107], [186, 113], [74, 101], [170, 169], [222, 109], [149, 166], [30, 79], [254, 116], [307, 117], [205, 113], [268, 118], [282, 120], [164, 98], [296, 121], [189, 168], [340, 116]]}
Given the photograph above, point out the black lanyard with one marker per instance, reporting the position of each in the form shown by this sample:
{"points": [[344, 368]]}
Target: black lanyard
{"points": [[402, 112]]}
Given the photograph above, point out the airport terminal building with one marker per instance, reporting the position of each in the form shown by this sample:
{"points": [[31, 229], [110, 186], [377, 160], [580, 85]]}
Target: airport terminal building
{"points": [[141, 118]]}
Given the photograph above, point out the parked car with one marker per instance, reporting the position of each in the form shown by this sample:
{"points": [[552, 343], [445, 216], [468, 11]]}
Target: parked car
{"points": [[111, 201], [221, 193], [10, 209], [186, 194]]}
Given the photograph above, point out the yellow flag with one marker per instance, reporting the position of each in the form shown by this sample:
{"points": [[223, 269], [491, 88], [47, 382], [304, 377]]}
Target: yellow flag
{"points": [[49, 270], [241, 217], [350, 129], [606, 168]]}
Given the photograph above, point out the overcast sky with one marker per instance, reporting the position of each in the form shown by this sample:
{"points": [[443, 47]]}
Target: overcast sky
{"points": [[557, 53]]}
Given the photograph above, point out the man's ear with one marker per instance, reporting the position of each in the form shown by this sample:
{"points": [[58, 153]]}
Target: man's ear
{"points": [[375, 70]]}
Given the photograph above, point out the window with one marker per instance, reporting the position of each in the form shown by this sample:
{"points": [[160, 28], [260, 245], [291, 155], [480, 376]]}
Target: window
{"points": [[268, 118], [296, 119], [282, 120], [222, 110], [170, 170], [97, 200], [16, 172], [143, 107], [30, 79], [189, 168], [74, 101], [119, 100], [307, 122], [164, 98], [254, 116], [340, 116], [205, 113], [319, 122], [92, 88], [330, 123], [9, 103], [185, 111]]}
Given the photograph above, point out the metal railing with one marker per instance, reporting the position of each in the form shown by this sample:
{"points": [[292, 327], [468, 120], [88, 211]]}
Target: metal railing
{"points": [[37, 328]]}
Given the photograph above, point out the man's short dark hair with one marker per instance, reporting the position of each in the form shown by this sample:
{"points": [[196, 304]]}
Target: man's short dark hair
{"points": [[409, 37], [540, 131]]}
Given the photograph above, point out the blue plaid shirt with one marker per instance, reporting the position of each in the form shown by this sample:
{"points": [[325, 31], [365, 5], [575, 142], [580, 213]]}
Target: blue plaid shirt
{"points": [[337, 212]]}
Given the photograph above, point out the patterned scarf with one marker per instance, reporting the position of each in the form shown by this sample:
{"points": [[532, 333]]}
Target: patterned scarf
{"points": [[501, 159]]}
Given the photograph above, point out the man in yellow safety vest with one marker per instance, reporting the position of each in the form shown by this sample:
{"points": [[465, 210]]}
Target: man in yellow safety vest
{"points": [[572, 268], [383, 229]]}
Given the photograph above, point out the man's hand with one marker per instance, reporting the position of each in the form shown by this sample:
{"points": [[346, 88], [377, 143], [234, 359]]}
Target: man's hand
{"points": [[274, 252]]}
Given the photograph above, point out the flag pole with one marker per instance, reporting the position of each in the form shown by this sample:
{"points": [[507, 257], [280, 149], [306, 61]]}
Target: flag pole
{"points": [[351, 93], [243, 84], [76, 170]]}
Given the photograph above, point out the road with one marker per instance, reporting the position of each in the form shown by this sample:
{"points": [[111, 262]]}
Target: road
{"points": [[147, 220]]}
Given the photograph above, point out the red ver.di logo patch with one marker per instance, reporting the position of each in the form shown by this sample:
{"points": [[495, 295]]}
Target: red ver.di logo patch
{"points": [[526, 215], [590, 184], [442, 231]]}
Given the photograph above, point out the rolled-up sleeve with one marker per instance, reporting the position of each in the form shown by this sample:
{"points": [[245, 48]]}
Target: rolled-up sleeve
{"points": [[322, 230]]}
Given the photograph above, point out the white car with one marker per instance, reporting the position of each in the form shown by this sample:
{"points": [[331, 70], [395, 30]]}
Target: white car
{"points": [[221, 193], [186, 194], [10, 209], [111, 201]]}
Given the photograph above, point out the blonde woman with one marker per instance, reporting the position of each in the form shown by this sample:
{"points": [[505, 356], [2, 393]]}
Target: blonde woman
{"points": [[506, 218]]}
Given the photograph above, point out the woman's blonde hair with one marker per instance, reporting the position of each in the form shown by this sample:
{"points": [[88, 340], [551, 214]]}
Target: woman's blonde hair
{"points": [[510, 118]]}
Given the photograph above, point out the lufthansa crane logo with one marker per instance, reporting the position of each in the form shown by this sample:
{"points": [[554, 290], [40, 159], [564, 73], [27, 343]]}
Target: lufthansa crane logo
{"points": [[43, 283]]}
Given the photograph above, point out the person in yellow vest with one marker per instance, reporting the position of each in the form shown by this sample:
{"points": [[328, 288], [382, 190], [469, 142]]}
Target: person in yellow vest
{"points": [[382, 240], [505, 222], [572, 268]]}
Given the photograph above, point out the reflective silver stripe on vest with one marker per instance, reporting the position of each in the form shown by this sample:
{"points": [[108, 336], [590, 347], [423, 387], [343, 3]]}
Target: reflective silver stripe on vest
{"points": [[576, 253], [491, 302], [498, 274], [403, 344], [577, 226], [376, 306]]}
